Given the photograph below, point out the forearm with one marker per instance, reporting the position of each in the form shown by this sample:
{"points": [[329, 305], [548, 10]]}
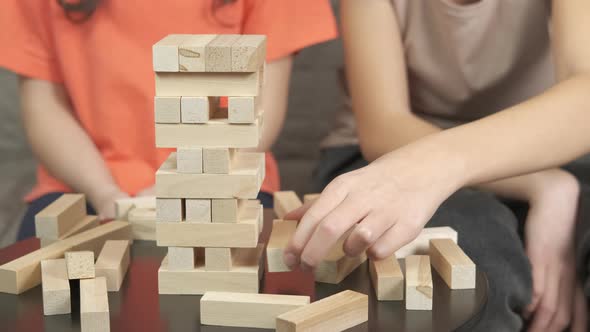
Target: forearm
{"points": [[59, 143]]}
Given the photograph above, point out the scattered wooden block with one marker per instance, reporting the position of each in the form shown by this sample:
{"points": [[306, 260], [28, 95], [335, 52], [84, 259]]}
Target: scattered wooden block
{"points": [[310, 198], [198, 210], [244, 276], [285, 202], [452, 264], [60, 216], [247, 310], [225, 210], [189, 160], [113, 262], [335, 313], [169, 209], [197, 109], [281, 234], [218, 53], [80, 264], [218, 259], [55, 287], [24, 273], [387, 279], [94, 305], [124, 205], [85, 224], [243, 181], [420, 245], [167, 109], [418, 283], [243, 234], [337, 265], [248, 53], [181, 259], [208, 84], [242, 109], [192, 53], [217, 132], [143, 223], [217, 160]]}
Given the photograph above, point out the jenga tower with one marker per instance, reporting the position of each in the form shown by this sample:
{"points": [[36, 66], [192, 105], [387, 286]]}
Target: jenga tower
{"points": [[207, 212]]}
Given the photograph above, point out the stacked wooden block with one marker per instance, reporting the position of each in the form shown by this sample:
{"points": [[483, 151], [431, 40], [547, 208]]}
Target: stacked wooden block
{"points": [[206, 212]]}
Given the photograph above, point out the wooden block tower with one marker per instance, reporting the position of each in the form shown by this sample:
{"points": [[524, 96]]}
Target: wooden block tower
{"points": [[206, 208]]}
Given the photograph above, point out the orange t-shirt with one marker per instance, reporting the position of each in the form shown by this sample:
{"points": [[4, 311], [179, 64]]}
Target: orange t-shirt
{"points": [[105, 64]]}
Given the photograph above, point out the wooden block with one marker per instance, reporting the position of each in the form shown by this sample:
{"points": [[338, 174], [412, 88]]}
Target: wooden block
{"points": [[452, 264], [192, 52], [217, 132], [281, 234], [197, 109], [60, 216], [243, 234], [242, 109], [225, 210], [418, 283], [247, 310], [285, 202], [244, 276], [335, 313], [165, 53], [124, 205], [243, 181], [248, 53], [387, 279], [167, 109], [208, 84], [217, 160], [218, 53], [218, 259], [309, 198], [24, 273], [55, 287], [169, 209], [85, 224], [337, 265], [80, 264], [189, 160], [180, 258], [198, 210], [94, 305], [420, 245], [113, 262], [143, 223]]}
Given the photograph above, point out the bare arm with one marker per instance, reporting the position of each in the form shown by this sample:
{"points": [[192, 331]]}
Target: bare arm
{"points": [[60, 144]]}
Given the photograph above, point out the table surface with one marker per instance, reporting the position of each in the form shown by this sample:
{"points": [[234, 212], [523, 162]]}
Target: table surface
{"points": [[138, 307]]}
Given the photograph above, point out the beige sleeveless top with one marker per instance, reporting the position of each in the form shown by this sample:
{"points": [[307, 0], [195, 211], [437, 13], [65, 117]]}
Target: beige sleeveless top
{"points": [[466, 62]]}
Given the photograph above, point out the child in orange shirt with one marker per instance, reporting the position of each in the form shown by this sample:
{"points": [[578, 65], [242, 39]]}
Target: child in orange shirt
{"points": [[87, 86]]}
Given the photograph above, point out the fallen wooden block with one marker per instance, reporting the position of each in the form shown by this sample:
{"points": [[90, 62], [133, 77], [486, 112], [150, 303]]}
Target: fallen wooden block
{"points": [[208, 84], [248, 53], [24, 273], [60, 216], [452, 264], [243, 181], [216, 132], [86, 223], [247, 310], [165, 53], [418, 283], [169, 209], [189, 160], [285, 202], [218, 259], [192, 53], [124, 205], [55, 287], [198, 210], [113, 262], [242, 109], [217, 160], [420, 245], [244, 276], [80, 264], [281, 234], [143, 223], [167, 109], [218, 53], [335, 313], [387, 279], [308, 198], [337, 265], [181, 259], [94, 305]]}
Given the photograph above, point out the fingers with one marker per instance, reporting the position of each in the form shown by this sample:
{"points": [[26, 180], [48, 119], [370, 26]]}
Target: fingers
{"points": [[366, 233], [393, 239], [563, 314], [548, 304], [538, 271], [580, 312]]}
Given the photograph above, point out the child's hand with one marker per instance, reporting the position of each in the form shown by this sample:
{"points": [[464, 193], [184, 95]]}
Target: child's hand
{"points": [[104, 202], [549, 231]]}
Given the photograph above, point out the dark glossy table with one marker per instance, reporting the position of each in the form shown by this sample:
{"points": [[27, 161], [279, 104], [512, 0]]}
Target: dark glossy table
{"points": [[138, 307]]}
